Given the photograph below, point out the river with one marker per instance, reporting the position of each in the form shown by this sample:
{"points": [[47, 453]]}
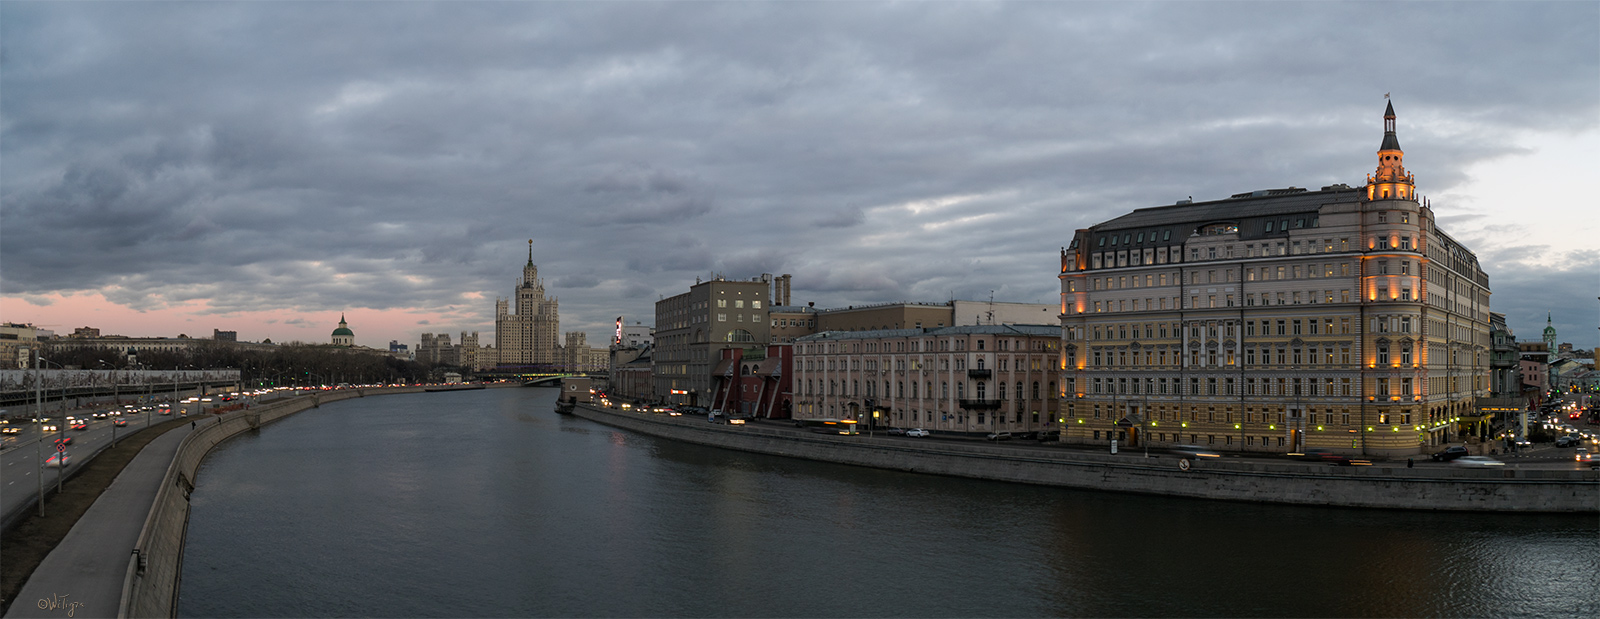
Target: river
{"points": [[487, 504]]}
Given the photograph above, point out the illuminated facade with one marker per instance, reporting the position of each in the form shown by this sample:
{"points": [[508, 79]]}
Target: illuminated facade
{"points": [[970, 379], [1276, 320]]}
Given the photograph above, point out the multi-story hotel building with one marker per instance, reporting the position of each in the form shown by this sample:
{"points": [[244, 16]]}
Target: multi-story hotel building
{"points": [[692, 327], [969, 379], [1275, 321]]}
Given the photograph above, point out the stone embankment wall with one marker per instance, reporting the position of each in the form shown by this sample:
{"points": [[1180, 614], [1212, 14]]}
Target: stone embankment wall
{"points": [[151, 586], [1503, 490]]}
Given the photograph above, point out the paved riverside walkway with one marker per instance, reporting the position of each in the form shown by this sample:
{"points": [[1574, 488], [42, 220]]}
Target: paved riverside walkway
{"points": [[83, 576]]}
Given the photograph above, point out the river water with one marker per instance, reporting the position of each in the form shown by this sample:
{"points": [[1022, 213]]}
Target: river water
{"points": [[486, 503]]}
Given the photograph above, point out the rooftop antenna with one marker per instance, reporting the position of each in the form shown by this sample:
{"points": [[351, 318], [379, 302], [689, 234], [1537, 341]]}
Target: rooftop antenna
{"points": [[991, 307]]}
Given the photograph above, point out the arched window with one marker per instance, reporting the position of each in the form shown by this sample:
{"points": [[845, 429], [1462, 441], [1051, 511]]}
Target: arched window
{"points": [[740, 335], [1020, 395], [1035, 390], [980, 359]]}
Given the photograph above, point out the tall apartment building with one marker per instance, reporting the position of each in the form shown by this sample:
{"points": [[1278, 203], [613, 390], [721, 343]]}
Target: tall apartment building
{"points": [[1277, 320], [692, 327], [436, 348], [968, 379], [528, 337]]}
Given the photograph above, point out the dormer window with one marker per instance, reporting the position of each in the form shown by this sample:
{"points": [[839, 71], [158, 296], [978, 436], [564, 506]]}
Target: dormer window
{"points": [[1269, 226], [1166, 236]]}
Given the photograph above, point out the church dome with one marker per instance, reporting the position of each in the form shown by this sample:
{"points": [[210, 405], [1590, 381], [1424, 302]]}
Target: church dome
{"points": [[343, 331]]}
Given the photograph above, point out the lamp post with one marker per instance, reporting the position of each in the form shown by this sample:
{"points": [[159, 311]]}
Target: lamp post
{"points": [[38, 411]]}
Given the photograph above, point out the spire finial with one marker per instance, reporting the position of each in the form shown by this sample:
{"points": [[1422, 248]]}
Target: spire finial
{"points": [[530, 251]]}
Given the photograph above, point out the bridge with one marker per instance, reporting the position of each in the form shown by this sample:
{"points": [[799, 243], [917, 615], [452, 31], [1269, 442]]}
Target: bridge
{"points": [[535, 379]]}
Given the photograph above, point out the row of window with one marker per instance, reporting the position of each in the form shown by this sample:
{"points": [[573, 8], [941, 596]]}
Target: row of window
{"points": [[854, 388], [959, 364], [1229, 386], [940, 345]]}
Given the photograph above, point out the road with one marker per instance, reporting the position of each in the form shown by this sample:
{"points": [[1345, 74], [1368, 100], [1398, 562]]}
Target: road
{"points": [[22, 454]]}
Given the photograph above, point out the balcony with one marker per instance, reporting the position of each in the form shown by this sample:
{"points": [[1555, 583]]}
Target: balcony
{"points": [[979, 404], [978, 373]]}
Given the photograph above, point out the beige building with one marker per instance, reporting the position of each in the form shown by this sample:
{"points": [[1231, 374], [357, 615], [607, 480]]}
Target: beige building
{"points": [[692, 327], [1276, 320], [528, 337], [970, 379], [886, 316], [17, 342], [791, 322]]}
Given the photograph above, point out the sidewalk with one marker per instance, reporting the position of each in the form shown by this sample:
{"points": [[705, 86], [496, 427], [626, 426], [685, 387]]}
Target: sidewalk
{"points": [[83, 576]]}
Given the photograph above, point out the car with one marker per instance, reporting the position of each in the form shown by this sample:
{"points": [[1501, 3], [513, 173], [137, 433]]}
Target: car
{"points": [[1522, 443], [1581, 454], [121, 423], [49, 427], [897, 431], [99, 415], [1566, 441], [918, 433], [736, 421], [80, 426], [1450, 453], [998, 436], [58, 460], [1475, 461], [11, 430], [1194, 451], [65, 440], [1049, 436]]}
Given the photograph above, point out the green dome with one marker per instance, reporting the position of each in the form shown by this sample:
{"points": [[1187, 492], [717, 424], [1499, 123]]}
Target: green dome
{"points": [[343, 331]]}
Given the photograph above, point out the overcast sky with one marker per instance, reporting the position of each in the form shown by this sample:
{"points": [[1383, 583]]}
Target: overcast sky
{"points": [[263, 166]]}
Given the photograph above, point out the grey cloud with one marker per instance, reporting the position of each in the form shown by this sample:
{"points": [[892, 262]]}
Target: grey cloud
{"points": [[400, 158], [577, 281], [843, 218]]}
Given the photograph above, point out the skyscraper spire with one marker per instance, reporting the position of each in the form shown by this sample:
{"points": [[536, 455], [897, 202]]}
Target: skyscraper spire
{"points": [[530, 251]]}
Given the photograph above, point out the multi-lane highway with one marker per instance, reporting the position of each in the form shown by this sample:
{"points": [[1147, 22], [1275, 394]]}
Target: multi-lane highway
{"points": [[22, 455]]}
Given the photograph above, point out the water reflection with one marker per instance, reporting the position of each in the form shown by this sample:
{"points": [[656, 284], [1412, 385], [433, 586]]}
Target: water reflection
{"points": [[485, 503]]}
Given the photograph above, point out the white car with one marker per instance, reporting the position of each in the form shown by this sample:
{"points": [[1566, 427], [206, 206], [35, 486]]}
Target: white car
{"points": [[918, 432], [58, 460], [1476, 461]]}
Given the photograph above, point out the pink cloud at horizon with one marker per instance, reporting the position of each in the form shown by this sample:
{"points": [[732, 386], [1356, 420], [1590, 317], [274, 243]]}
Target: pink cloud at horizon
{"points": [[61, 313]]}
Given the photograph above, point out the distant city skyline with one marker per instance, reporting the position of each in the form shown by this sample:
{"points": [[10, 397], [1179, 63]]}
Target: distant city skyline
{"points": [[178, 168]]}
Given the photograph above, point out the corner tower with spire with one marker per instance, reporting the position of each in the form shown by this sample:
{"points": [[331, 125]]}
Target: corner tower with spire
{"points": [[1391, 181]]}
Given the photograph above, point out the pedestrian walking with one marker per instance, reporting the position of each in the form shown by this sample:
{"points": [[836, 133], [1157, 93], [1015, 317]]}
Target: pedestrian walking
{"points": [[191, 425]]}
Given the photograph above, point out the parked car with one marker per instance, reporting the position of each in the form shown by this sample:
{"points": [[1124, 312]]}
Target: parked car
{"points": [[998, 436], [1476, 461], [918, 433], [897, 431], [1450, 453]]}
